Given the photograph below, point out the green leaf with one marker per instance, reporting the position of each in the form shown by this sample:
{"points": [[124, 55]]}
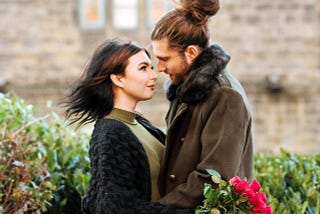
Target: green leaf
{"points": [[213, 172], [216, 179], [207, 190]]}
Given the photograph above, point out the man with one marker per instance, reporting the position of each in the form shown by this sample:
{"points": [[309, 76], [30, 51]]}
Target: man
{"points": [[208, 122]]}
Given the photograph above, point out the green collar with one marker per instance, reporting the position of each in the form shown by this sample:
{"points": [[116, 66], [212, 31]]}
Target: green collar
{"points": [[122, 115]]}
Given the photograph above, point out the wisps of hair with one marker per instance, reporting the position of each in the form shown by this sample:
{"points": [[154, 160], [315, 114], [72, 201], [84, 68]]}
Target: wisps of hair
{"points": [[92, 97]]}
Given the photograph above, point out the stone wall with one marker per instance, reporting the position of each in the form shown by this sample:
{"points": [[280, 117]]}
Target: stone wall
{"points": [[274, 45]]}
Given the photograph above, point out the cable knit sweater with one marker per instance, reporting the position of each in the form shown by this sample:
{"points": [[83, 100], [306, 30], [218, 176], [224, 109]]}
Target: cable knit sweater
{"points": [[120, 175]]}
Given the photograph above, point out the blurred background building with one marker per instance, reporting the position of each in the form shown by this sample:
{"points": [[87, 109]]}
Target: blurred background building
{"points": [[274, 45]]}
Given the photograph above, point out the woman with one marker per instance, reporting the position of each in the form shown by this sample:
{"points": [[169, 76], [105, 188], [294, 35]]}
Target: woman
{"points": [[125, 149]]}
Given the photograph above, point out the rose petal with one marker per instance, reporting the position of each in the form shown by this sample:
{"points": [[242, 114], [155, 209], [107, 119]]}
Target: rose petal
{"points": [[255, 185]]}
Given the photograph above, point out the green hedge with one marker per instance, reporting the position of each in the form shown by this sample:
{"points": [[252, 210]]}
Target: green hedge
{"points": [[44, 167], [291, 181], [43, 163]]}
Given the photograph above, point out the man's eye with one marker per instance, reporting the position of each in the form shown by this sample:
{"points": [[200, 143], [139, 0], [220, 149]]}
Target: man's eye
{"points": [[163, 59]]}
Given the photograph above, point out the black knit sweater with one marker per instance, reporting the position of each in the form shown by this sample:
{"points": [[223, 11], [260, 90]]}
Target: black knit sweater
{"points": [[120, 175]]}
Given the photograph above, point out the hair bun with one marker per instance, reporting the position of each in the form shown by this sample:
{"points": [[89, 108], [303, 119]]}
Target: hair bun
{"points": [[199, 11]]}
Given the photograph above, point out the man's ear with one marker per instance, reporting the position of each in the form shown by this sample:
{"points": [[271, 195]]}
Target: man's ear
{"points": [[191, 52], [116, 79]]}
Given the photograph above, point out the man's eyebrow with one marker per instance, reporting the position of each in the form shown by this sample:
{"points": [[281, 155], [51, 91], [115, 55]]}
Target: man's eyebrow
{"points": [[163, 57]]}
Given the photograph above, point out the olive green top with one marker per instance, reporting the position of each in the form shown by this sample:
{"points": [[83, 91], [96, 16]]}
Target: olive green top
{"points": [[152, 146]]}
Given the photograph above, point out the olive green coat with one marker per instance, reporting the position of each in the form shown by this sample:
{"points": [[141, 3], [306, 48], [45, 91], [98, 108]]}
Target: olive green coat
{"points": [[209, 127]]}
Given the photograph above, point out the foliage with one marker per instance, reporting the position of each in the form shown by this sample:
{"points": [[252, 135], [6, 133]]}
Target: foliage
{"points": [[44, 165], [68, 162], [291, 181], [25, 183], [236, 196]]}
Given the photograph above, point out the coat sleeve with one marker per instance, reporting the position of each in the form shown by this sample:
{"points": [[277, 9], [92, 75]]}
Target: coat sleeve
{"points": [[223, 141], [227, 135], [113, 183]]}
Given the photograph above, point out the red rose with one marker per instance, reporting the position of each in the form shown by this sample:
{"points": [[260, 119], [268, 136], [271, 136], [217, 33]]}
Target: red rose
{"points": [[257, 199], [267, 210], [235, 180], [255, 185], [259, 208], [262, 196], [241, 186], [248, 193]]}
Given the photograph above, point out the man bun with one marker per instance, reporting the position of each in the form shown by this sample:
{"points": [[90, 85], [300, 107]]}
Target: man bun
{"points": [[199, 11]]}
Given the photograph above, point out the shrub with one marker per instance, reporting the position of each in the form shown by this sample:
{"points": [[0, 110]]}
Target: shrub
{"points": [[44, 164], [24, 178], [69, 164], [291, 181]]}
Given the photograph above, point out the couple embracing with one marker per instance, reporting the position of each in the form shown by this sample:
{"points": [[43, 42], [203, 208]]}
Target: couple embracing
{"points": [[135, 168]]}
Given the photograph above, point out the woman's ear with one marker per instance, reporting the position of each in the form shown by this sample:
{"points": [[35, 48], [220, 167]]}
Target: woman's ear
{"points": [[116, 79], [191, 52]]}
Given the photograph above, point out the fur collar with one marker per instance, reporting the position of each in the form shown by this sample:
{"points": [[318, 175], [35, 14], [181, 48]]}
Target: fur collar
{"points": [[202, 76]]}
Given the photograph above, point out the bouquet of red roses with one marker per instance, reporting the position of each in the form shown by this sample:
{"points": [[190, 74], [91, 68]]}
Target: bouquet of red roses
{"points": [[236, 196]]}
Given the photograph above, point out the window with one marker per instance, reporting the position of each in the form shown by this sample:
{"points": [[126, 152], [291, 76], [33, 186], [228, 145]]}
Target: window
{"points": [[125, 14], [155, 9], [92, 14]]}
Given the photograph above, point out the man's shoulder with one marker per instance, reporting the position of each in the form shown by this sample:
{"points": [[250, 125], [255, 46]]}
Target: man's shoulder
{"points": [[223, 81]]}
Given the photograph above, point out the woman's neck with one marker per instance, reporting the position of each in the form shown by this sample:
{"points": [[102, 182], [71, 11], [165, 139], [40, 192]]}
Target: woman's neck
{"points": [[125, 104]]}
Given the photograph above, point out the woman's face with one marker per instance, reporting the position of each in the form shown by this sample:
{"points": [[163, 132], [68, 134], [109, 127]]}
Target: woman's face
{"points": [[139, 78]]}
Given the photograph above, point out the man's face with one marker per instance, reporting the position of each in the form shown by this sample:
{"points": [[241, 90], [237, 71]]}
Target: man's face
{"points": [[170, 61]]}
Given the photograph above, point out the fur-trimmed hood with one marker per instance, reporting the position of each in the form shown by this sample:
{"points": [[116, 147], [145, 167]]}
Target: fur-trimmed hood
{"points": [[202, 76]]}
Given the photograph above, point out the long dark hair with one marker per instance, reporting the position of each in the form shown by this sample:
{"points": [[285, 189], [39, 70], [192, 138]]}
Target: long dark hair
{"points": [[186, 25], [92, 97]]}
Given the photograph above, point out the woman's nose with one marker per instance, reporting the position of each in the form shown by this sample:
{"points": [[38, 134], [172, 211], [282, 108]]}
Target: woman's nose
{"points": [[154, 75]]}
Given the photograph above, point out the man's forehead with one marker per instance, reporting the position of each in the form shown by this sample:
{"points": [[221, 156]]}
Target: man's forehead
{"points": [[160, 49]]}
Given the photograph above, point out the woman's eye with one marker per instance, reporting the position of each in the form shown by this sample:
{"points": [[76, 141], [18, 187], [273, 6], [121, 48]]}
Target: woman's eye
{"points": [[143, 68]]}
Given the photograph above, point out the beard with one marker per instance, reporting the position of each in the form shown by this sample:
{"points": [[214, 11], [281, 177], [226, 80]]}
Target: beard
{"points": [[179, 78]]}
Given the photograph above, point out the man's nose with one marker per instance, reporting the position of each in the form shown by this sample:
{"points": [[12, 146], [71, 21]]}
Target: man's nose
{"points": [[161, 67]]}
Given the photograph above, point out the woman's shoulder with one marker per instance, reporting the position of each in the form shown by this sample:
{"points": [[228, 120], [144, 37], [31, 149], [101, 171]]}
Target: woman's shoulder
{"points": [[111, 135], [108, 125], [105, 128]]}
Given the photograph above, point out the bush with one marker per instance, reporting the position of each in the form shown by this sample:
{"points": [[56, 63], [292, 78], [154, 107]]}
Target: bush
{"points": [[24, 177], [69, 165], [291, 181], [44, 165]]}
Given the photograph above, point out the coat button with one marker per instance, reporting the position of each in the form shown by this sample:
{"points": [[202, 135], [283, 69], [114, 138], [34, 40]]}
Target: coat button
{"points": [[182, 139], [172, 177]]}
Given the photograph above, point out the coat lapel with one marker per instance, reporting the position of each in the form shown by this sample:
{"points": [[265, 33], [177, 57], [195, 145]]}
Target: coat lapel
{"points": [[171, 127]]}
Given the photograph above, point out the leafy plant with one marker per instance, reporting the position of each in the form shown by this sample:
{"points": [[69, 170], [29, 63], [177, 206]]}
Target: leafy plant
{"points": [[25, 183], [43, 163], [291, 181], [69, 163]]}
